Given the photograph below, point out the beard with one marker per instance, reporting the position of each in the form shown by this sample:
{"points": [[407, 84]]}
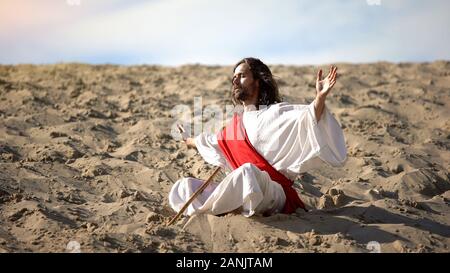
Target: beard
{"points": [[242, 93]]}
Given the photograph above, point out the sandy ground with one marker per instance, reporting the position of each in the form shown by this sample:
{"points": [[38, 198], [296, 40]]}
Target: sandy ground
{"points": [[86, 155]]}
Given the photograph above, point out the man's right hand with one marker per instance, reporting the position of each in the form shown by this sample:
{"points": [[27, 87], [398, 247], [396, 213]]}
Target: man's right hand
{"points": [[188, 140]]}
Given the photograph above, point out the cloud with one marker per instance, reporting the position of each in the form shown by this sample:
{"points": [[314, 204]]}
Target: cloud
{"points": [[175, 32]]}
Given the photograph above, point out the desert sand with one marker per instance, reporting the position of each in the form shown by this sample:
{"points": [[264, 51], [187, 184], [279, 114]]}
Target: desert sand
{"points": [[87, 156]]}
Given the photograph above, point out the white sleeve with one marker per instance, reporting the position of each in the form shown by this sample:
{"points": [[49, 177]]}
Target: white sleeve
{"points": [[208, 147], [319, 141]]}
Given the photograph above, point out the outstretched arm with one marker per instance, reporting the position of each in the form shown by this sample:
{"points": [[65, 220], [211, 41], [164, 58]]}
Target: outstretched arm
{"points": [[206, 145], [323, 87]]}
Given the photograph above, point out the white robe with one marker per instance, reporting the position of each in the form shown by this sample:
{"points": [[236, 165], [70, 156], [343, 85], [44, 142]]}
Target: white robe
{"points": [[288, 136]]}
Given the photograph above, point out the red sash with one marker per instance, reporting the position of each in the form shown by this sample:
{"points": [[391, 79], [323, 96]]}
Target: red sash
{"points": [[237, 149]]}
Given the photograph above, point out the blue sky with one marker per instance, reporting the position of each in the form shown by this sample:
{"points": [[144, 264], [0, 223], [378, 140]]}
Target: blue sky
{"points": [[174, 32]]}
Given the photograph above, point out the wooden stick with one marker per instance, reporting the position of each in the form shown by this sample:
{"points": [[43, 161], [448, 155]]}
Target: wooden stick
{"points": [[197, 192]]}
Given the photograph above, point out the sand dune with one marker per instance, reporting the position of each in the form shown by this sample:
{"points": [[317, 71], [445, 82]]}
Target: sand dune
{"points": [[86, 155]]}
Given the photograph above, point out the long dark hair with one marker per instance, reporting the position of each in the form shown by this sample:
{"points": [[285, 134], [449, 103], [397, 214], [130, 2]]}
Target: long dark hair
{"points": [[268, 88]]}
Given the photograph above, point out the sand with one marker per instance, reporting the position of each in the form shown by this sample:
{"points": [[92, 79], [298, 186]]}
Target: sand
{"points": [[87, 160]]}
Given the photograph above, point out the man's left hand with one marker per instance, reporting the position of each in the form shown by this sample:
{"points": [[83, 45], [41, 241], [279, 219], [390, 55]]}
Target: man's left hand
{"points": [[323, 86]]}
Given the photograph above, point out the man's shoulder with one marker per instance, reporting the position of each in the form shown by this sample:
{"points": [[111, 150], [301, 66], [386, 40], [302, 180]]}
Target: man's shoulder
{"points": [[286, 107], [277, 105]]}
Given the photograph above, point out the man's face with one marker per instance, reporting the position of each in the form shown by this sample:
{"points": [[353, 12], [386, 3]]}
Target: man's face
{"points": [[245, 87]]}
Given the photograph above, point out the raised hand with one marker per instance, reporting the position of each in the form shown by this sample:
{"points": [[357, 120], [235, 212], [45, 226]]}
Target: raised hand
{"points": [[323, 86]]}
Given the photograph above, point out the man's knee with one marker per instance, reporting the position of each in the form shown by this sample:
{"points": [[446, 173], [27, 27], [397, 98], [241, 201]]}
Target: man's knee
{"points": [[190, 182]]}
